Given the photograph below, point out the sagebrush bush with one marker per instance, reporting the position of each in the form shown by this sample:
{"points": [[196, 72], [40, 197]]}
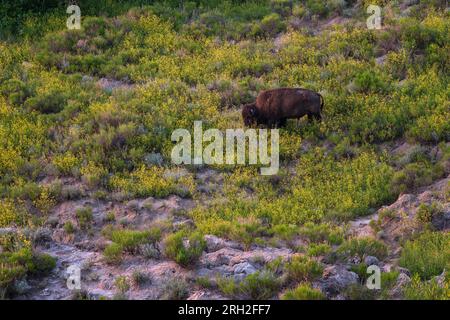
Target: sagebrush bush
{"points": [[175, 289]]}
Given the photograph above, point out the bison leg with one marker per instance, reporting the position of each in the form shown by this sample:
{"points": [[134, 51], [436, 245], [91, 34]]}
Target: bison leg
{"points": [[314, 116], [281, 123]]}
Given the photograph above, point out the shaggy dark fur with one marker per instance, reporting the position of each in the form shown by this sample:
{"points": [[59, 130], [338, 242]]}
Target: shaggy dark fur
{"points": [[274, 107]]}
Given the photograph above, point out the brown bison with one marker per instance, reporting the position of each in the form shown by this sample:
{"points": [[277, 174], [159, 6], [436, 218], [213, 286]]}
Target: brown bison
{"points": [[274, 107]]}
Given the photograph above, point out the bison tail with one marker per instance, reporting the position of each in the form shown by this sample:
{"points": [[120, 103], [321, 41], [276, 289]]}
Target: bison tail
{"points": [[321, 101]]}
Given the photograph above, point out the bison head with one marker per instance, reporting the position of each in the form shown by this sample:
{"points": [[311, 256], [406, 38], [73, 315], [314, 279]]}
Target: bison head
{"points": [[250, 114]]}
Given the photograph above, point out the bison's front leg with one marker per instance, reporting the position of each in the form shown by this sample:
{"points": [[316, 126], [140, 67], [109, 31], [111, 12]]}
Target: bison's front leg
{"points": [[281, 123], [314, 116]]}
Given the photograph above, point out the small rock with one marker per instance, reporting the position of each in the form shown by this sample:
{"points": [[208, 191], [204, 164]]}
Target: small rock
{"points": [[337, 278], [133, 205], [381, 60], [371, 260], [354, 260], [402, 280], [148, 203], [21, 286], [219, 257], [154, 159], [86, 78], [245, 268], [149, 251], [404, 271], [440, 280], [42, 236], [178, 225], [6, 231], [213, 243], [441, 221]]}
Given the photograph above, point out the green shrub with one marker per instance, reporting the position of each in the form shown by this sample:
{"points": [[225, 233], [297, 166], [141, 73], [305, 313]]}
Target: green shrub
{"points": [[316, 250], [415, 175], [15, 90], [360, 292], [122, 284], [269, 26], [42, 263], [261, 285], [84, 217], [285, 232], [228, 286], [282, 7], [110, 217], [69, 228], [428, 255], [361, 271], [426, 290], [130, 240], [369, 81], [318, 7], [425, 213], [363, 247], [303, 291], [317, 233], [52, 102], [175, 289], [301, 268], [113, 253], [188, 254], [15, 265], [139, 278]]}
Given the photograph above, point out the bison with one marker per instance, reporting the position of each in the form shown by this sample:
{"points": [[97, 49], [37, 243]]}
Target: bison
{"points": [[274, 107]]}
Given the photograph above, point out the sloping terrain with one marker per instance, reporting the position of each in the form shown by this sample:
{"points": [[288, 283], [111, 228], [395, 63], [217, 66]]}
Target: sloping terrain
{"points": [[86, 178]]}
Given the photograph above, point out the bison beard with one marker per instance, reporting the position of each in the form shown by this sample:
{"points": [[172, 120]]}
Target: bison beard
{"points": [[274, 107]]}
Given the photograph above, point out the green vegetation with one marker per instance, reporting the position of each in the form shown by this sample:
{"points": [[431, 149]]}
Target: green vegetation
{"points": [[363, 247], [18, 264], [125, 240], [303, 292], [261, 285], [84, 217], [303, 269], [428, 255], [426, 290], [175, 289], [184, 253], [92, 111]]}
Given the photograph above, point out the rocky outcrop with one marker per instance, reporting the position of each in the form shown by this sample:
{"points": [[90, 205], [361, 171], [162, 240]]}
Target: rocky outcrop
{"points": [[335, 279]]}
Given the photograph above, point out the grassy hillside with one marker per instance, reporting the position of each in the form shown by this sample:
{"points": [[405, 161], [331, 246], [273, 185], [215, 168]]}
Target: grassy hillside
{"points": [[97, 106]]}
